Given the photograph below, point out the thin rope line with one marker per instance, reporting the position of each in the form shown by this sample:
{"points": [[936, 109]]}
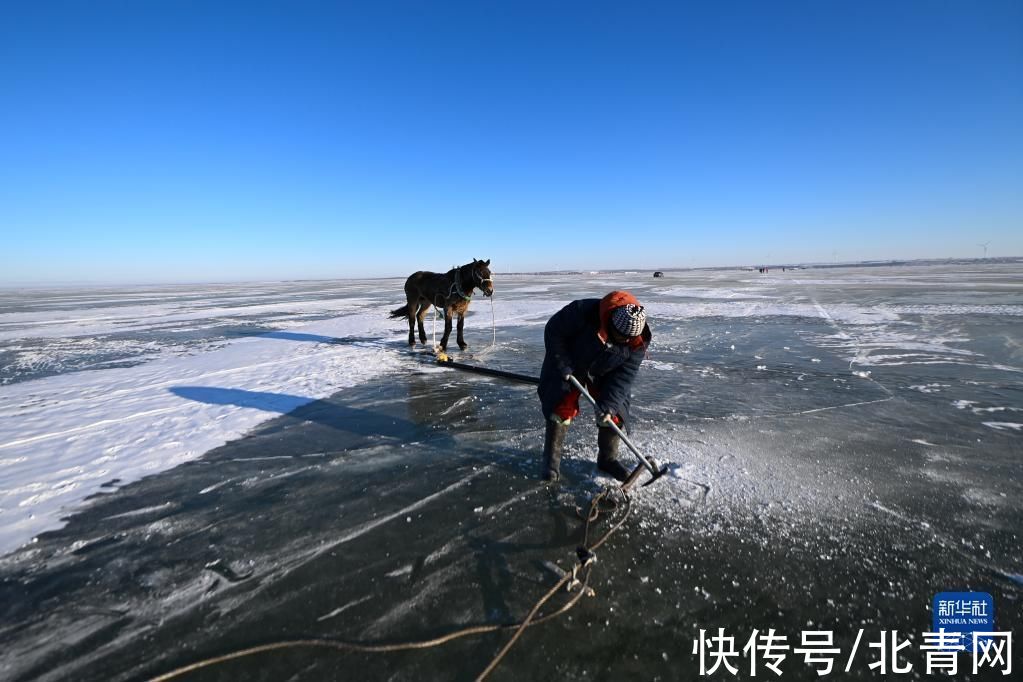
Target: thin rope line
{"points": [[569, 578], [493, 321]]}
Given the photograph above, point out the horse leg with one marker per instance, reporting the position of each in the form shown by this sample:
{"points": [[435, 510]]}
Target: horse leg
{"points": [[447, 330], [461, 341], [423, 308]]}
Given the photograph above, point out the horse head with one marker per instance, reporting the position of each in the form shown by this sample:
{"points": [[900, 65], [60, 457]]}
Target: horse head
{"points": [[481, 277]]}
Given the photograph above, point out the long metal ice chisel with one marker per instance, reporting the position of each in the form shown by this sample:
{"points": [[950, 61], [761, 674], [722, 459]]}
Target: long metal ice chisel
{"points": [[650, 462]]}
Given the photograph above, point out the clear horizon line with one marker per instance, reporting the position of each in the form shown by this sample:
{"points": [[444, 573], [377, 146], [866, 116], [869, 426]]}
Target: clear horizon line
{"points": [[780, 264]]}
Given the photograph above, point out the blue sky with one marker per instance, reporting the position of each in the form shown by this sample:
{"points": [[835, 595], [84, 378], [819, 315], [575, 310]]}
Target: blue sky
{"points": [[176, 141]]}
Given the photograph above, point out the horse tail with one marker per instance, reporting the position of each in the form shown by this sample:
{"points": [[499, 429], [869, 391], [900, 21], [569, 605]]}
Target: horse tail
{"points": [[400, 312]]}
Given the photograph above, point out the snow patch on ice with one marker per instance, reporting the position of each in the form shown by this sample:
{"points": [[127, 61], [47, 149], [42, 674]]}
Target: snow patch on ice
{"points": [[1005, 426], [109, 320], [535, 289], [341, 609], [842, 313], [1007, 310], [143, 511], [929, 388], [883, 345], [1000, 408], [713, 293], [398, 572], [48, 444]]}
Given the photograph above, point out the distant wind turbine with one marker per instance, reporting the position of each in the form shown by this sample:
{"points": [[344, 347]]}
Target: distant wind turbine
{"points": [[984, 246]]}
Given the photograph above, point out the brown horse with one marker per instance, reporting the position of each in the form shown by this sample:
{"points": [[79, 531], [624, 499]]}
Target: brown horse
{"points": [[450, 292]]}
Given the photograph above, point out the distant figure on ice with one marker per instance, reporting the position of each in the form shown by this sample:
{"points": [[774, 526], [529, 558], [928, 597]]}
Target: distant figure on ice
{"points": [[600, 341]]}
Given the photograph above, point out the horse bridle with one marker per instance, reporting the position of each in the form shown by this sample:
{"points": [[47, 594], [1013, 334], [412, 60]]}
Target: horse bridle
{"points": [[456, 286], [480, 280]]}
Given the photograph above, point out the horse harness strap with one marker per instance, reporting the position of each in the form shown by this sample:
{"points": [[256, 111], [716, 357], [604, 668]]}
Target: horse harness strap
{"points": [[456, 286], [455, 289]]}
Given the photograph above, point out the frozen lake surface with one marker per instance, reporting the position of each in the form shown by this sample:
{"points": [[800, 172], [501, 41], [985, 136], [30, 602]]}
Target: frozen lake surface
{"points": [[185, 471]]}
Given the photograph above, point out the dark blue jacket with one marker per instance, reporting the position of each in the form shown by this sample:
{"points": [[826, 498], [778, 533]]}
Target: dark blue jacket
{"points": [[573, 345]]}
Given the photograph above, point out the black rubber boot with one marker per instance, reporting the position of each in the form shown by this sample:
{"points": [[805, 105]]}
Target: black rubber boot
{"points": [[553, 440], [607, 454]]}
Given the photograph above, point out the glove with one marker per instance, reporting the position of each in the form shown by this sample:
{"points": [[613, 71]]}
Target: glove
{"points": [[605, 419], [566, 383]]}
